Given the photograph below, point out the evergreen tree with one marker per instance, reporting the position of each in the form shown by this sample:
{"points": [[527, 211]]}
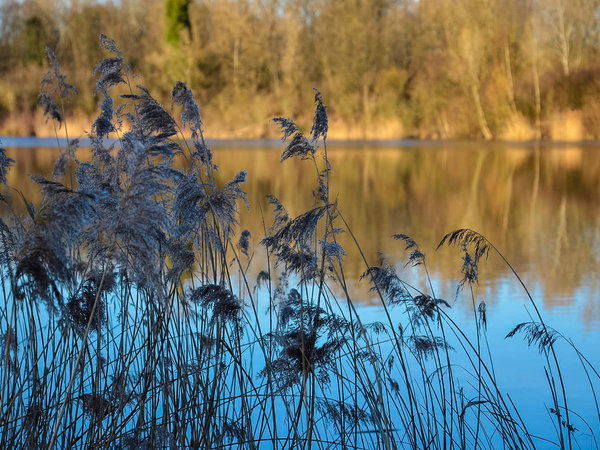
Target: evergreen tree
{"points": [[178, 18]]}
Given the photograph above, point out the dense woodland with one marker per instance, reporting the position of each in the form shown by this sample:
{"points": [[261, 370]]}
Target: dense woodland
{"points": [[488, 69]]}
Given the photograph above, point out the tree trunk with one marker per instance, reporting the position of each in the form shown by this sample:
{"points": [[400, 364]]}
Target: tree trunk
{"points": [[485, 130], [366, 109], [563, 38], [236, 63], [536, 90], [509, 77]]}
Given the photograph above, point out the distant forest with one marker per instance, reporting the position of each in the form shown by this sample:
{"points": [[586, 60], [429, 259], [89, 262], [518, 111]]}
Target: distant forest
{"points": [[434, 69]]}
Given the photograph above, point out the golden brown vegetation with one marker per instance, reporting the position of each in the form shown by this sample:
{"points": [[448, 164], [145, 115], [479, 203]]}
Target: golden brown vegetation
{"points": [[504, 69]]}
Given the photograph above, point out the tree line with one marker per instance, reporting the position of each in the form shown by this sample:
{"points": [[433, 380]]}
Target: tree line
{"points": [[489, 69]]}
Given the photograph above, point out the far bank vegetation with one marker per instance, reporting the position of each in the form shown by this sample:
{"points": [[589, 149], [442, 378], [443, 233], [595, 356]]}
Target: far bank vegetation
{"points": [[496, 69]]}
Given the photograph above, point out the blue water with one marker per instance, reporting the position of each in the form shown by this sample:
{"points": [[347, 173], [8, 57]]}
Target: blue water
{"points": [[566, 291]]}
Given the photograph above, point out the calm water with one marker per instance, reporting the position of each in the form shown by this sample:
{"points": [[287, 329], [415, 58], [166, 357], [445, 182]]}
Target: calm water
{"points": [[540, 206]]}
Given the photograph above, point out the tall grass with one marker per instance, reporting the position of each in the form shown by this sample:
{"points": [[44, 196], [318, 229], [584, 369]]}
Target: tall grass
{"points": [[131, 318]]}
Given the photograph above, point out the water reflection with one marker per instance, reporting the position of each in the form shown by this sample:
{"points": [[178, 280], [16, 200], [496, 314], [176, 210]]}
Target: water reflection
{"points": [[539, 206]]}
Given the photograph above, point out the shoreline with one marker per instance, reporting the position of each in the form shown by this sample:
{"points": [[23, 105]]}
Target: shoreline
{"points": [[54, 142]]}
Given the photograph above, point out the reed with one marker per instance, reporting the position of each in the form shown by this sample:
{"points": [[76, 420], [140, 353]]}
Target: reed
{"points": [[131, 317]]}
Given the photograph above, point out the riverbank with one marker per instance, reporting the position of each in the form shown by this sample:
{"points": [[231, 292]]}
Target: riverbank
{"points": [[564, 127]]}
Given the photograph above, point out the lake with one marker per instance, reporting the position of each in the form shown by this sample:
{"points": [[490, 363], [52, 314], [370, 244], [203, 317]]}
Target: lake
{"points": [[538, 204]]}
